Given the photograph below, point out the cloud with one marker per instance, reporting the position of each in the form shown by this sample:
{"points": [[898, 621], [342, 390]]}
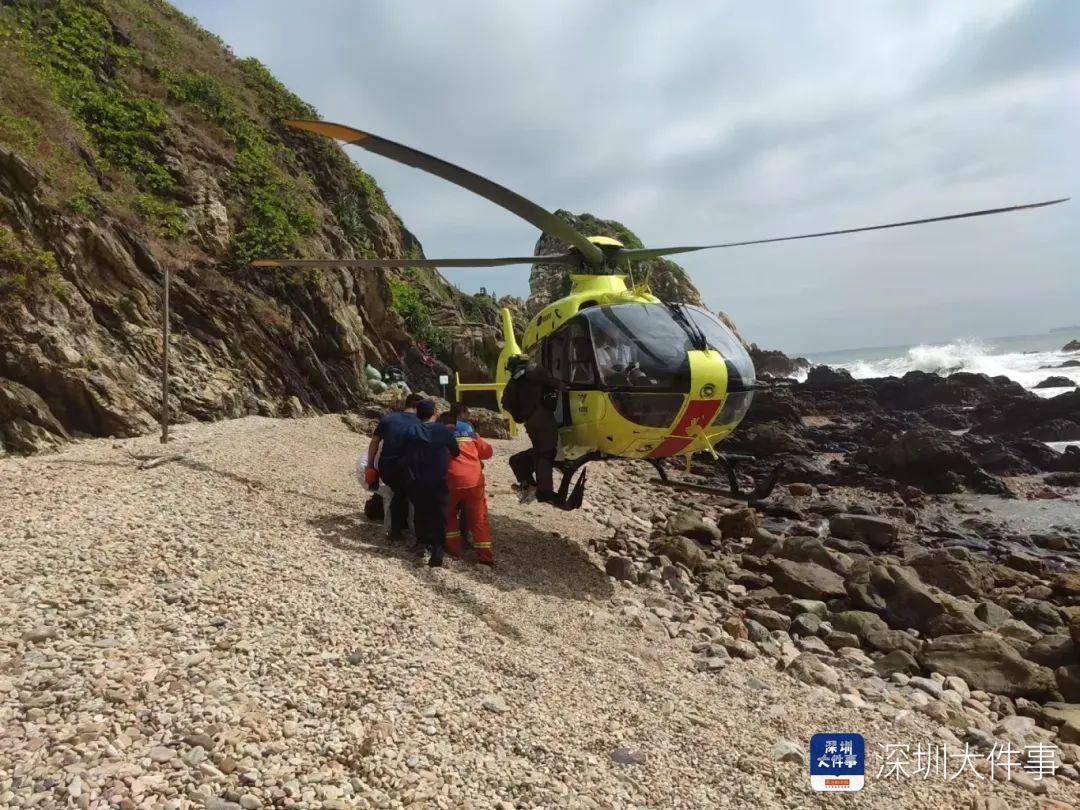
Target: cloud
{"points": [[725, 121]]}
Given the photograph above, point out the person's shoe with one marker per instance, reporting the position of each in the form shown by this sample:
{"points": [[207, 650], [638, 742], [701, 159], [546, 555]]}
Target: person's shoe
{"points": [[488, 563], [418, 549], [435, 561], [546, 497], [395, 537]]}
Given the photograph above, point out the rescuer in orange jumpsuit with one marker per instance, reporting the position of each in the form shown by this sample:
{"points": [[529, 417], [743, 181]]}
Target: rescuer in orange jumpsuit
{"points": [[465, 480]]}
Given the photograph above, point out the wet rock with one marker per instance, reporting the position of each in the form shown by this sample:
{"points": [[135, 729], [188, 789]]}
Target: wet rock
{"points": [[826, 378], [933, 460], [988, 663], [1055, 381], [878, 533]]}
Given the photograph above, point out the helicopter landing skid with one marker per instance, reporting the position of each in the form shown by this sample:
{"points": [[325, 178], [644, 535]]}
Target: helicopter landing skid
{"points": [[570, 498], [761, 490]]}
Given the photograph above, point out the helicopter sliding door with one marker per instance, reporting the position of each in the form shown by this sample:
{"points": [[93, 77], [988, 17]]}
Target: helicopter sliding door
{"points": [[568, 354]]}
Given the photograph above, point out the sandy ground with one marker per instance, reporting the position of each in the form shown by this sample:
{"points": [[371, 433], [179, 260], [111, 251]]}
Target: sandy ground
{"points": [[227, 628]]}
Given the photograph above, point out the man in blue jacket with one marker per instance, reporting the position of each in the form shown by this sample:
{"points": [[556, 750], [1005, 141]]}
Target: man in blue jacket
{"points": [[428, 448], [386, 460]]}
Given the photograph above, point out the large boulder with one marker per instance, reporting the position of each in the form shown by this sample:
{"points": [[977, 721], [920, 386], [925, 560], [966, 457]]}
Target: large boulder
{"points": [[805, 580], [826, 378], [739, 523], [1067, 717], [878, 533], [906, 601], [955, 570], [1056, 381], [769, 439], [988, 663], [873, 632], [682, 550], [811, 549], [932, 459], [1068, 681], [688, 523], [1054, 651], [810, 669]]}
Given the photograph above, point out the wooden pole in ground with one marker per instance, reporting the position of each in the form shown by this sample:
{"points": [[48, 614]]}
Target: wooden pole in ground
{"points": [[165, 358]]}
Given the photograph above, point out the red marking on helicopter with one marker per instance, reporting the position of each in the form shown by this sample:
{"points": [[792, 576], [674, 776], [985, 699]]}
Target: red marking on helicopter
{"points": [[698, 412]]}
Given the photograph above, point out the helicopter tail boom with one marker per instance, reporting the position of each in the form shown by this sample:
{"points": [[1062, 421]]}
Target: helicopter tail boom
{"points": [[509, 349]]}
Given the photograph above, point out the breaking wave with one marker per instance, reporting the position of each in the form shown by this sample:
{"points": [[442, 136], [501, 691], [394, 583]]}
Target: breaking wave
{"points": [[1027, 368]]}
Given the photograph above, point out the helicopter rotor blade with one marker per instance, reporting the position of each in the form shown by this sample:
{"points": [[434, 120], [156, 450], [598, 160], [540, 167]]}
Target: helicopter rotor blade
{"points": [[639, 254], [489, 190], [367, 264]]}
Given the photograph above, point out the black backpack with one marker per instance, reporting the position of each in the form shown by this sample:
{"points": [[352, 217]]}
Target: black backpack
{"points": [[512, 399]]}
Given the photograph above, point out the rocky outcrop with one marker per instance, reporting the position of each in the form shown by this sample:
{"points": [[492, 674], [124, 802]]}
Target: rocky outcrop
{"points": [[95, 202], [547, 282], [988, 663], [774, 363]]}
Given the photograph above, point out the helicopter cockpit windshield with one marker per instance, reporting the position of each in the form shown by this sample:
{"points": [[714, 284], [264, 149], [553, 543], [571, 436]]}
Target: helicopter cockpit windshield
{"points": [[639, 354], [639, 347]]}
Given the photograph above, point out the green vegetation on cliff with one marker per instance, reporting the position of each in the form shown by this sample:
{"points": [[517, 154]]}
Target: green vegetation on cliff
{"points": [[124, 70]]}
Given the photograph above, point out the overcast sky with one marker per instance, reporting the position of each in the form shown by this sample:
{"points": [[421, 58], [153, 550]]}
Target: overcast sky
{"points": [[694, 122]]}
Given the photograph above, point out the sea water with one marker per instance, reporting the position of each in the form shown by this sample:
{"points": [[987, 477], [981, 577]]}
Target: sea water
{"points": [[1027, 359]]}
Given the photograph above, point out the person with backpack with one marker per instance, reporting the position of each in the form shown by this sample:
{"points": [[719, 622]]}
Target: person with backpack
{"points": [[385, 460], [530, 397], [429, 446], [465, 480]]}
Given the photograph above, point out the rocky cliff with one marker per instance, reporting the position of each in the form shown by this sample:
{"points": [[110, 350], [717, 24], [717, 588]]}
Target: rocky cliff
{"points": [[132, 140]]}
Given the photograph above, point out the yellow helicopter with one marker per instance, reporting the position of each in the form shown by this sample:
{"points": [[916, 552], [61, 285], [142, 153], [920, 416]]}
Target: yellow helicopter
{"points": [[643, 378]]}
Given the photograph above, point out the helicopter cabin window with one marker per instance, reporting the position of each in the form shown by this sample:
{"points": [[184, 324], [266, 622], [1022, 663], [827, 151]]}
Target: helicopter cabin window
{"points": [[568, 355]]}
